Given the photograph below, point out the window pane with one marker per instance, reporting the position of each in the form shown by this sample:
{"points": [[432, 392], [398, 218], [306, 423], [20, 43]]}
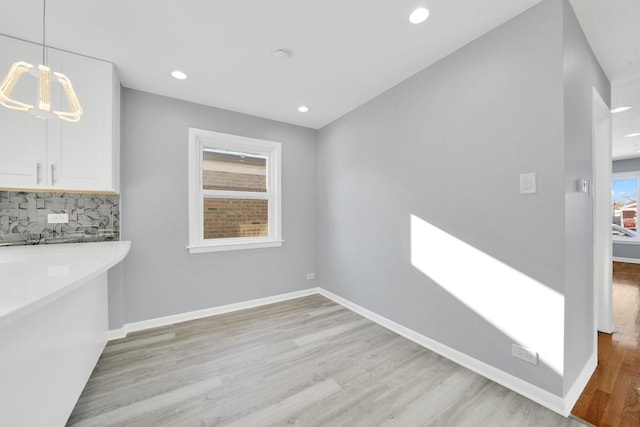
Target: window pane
{"points": [[233, 171], [625, 202], [225, 218]]}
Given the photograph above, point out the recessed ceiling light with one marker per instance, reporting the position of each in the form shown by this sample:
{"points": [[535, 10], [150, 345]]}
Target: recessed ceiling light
{"points": [[621, 109], [178, 75], [303, 108], [419, 15], [282, 54], [631, 135]]}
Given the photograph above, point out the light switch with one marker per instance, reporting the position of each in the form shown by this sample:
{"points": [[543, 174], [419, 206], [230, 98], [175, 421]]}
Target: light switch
{"points": [[582, 186], [527, 183]]}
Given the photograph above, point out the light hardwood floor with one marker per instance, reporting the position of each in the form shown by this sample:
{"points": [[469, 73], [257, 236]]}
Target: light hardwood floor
{"points": [[612, 396], [308, 362]]}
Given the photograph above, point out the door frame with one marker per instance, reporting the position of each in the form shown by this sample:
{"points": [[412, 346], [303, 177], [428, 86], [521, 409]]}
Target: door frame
{"points": [[601, 190]]}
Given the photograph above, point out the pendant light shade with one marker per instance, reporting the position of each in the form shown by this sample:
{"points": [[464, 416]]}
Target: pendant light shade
{"points": [[42, 107], [9, 83]]}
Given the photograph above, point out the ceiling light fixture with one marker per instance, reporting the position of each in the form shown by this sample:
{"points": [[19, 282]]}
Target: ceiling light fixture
{"points": [[621, 109], [43, 73], [631, 135], [282, 54], [177, 74], [303, 109], [419, 15]]}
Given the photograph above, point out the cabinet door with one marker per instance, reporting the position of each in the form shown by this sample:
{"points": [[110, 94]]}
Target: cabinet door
{"points": [[81, 154], [22, 135]]}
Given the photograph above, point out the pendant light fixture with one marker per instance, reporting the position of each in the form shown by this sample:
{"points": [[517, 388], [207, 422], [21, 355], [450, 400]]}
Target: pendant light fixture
{"points": [[44, 75]]}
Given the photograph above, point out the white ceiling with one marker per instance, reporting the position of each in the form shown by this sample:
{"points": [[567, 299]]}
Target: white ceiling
{"points": [[344, 52], [613, 30]]}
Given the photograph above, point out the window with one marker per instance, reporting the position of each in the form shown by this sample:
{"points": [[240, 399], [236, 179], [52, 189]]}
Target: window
{"points": [[234, 192], [624, 191]]}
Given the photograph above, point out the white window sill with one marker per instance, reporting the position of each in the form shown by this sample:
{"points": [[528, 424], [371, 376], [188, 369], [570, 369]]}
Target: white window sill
{"points": [[626, 241], [219, 247]]}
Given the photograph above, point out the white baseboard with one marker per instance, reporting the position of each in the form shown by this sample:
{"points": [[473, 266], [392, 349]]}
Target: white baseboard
{"points": [[549, 400], [630, 260], [580, 383], [560, 405], [199, 314], [116, 334]]}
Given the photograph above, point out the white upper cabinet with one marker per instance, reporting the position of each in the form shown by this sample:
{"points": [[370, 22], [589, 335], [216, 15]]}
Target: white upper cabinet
{"points": [[22, 135], [82, 154], [55, 154]]}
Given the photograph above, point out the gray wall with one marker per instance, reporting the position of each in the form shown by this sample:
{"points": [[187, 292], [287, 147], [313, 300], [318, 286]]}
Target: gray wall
{"points": [[159, 276], [581, 73], [447, 146], [622, 250]]}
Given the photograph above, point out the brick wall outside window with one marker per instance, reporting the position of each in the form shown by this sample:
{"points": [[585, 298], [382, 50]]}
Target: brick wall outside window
{"points": [[231, 181], [225, 218], [234, 192]]}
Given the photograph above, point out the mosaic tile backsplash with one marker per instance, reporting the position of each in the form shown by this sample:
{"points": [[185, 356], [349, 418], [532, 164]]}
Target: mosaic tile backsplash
{"points": [[92, 218]]}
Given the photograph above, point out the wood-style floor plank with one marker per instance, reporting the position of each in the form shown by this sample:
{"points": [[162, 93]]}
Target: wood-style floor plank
{"points": [[308, 362], [612, 396]]}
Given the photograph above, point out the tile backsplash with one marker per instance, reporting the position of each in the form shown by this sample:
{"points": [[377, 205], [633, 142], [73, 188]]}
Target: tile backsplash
{"points": [[92, 217]]}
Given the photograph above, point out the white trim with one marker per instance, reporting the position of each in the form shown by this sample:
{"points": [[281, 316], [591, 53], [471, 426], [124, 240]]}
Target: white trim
{"points": [[535, 393], [116, 334], [200, 139], [623, 241], [629, 260], [199, 314], [234, 246], [560, 405], [580, 383], [628, 174], [602, 287]]}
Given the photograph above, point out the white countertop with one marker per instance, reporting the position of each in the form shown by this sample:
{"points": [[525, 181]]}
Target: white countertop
{"points": [[33, 276]]}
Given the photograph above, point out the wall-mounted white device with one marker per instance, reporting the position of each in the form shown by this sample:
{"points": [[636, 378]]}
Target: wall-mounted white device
{"points": [[583, 186], [61, 218], [527, 183], [524, 353]]}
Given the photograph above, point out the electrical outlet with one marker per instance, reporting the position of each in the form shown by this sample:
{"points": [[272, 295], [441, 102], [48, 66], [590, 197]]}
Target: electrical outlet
{"points": [[311, 276], [61, 218], [524, 353]]}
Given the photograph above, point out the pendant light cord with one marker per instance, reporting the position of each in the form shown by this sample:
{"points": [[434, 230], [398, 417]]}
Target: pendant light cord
{"points": [[44, 30]]}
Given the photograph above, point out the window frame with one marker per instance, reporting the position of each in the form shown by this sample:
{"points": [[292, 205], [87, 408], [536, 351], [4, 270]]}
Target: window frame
{"points": [[200, 139], [622, 175]]}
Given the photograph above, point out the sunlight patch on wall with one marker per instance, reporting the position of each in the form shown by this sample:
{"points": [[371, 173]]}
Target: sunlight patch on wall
{"points": [[529, 312]]}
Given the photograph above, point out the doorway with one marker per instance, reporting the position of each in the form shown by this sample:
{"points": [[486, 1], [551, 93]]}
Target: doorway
{"points": [[602, 257]]}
